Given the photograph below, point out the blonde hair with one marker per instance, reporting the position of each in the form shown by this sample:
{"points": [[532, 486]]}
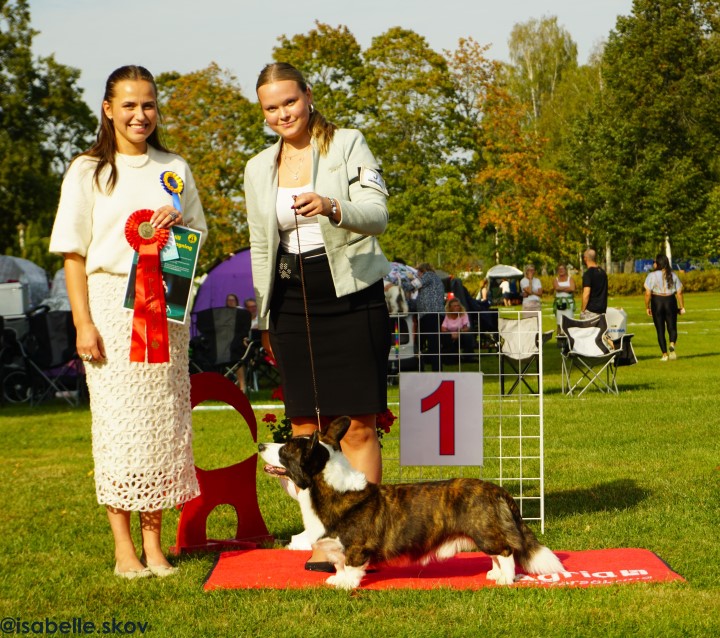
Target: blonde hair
{"points": [[320, 129], [453, 300]]}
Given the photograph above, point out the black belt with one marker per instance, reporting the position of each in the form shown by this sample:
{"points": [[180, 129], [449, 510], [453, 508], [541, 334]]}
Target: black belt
{"points": [[308, 254]]}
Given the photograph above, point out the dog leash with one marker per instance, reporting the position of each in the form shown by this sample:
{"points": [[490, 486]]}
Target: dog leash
{"points": [[307, 322]]}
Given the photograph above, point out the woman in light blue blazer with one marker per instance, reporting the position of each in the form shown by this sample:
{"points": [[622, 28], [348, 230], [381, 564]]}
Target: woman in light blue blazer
{"points": [[316, 203]]}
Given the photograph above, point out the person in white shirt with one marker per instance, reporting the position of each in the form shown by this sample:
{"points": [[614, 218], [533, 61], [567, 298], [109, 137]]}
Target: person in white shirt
{"points": [[141, 413], [663, 302], [531, 288]]}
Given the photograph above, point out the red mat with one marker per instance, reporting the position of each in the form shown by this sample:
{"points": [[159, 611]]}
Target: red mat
{"points": [[284, 569]]}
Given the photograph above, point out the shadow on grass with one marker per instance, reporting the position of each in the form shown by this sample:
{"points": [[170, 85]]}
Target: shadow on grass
{"points": [[680, 356], [622, 387], [605, 497]]}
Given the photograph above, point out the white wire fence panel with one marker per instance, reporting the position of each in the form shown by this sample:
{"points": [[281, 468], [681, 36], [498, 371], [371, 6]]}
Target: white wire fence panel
{"points": [[507, 347]]}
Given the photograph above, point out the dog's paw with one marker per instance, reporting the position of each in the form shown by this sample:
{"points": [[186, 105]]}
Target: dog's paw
{"points": [[348, 578], [493, 574]]}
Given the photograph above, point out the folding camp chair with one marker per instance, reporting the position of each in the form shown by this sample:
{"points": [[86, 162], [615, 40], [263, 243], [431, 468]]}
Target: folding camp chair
{"points": [[587, 349], [221, 341], [43, 362], [520, 352]]}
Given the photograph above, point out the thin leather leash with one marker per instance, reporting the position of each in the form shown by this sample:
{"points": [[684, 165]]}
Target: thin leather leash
{"points": [[307, 323]]}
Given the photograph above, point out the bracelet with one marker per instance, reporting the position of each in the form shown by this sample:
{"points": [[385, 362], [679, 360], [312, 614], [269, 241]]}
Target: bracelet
{"points": [[333, 208]]}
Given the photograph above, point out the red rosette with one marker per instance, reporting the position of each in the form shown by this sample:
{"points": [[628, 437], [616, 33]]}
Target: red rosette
{"points": [[149, 329], [139, 231]]}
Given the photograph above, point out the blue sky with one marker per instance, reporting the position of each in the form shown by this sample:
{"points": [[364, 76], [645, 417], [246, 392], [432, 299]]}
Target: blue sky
{"points": [[96, 36]]}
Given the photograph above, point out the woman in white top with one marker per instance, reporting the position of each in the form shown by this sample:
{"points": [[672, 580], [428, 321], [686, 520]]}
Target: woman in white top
{"points": [[564, 287], [141, 415], [316, 203], [663, 302], [531, 288]]}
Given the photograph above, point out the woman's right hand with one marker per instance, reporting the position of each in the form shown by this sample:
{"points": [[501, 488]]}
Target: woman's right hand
{"points": [[89, 342]]}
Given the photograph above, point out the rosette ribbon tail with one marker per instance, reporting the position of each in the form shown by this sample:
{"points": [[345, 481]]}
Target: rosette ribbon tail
{"points": [[149, 326]]}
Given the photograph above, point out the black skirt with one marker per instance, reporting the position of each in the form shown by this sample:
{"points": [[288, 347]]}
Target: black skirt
{"points": [[350, 338]]}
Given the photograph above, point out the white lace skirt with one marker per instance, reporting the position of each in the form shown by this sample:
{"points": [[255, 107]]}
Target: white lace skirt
{"points": [[141, 414]]}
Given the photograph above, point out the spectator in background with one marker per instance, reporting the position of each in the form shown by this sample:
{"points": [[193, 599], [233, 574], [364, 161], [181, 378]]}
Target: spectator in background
{"points": [[564, 287], [595, 287], [251, 306], [455, 328], [231, 301], [531, 289], [430, 305], [506, 293], [663, 302]]}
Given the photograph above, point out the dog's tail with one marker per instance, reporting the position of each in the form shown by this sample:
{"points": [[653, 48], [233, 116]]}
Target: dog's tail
{"points": [[533, 557]]}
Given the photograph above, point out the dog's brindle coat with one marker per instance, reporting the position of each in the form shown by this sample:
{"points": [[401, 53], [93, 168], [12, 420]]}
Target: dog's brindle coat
{"points": [[366, 523]]}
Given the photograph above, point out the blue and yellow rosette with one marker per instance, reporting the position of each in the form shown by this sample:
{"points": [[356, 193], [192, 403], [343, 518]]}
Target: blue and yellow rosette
{"points": [[173, 184], [149, 327]]}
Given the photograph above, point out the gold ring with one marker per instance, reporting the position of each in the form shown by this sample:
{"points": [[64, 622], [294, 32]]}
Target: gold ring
{"points": [[86, 357]]}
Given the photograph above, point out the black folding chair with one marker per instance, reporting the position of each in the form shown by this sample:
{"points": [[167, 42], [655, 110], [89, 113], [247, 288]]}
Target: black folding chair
{"points": [[587, 350], [43, 362], [222, 340]]}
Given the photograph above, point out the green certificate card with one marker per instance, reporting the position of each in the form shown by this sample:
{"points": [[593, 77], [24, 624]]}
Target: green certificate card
{"points": [[178, 262]]}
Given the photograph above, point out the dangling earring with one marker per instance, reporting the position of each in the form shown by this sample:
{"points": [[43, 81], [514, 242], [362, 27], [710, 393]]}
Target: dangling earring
{"points": [[312, 109]]}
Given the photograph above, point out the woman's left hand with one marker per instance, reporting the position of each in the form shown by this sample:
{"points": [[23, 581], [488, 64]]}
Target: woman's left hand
{"points": [[166, 216], [311, 204]]}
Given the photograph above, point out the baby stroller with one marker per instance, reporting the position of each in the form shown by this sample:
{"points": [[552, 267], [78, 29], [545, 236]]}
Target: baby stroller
{"points": [[39, 360]]}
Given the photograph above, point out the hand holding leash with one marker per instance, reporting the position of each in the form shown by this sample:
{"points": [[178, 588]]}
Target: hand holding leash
{"points": [[312, 204]]}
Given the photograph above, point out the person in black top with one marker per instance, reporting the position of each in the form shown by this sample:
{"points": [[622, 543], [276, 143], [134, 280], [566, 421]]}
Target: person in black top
{"points": [[595, 287]]}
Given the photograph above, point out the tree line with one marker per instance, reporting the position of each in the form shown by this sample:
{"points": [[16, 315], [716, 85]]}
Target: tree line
{"points": [[529, 160]]}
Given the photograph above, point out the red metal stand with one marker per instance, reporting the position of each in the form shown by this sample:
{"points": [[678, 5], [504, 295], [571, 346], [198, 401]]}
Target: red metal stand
{"points": [[234, 485]]}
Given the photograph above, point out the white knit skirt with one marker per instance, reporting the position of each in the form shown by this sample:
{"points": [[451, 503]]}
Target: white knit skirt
{"points": [[141, 414]]}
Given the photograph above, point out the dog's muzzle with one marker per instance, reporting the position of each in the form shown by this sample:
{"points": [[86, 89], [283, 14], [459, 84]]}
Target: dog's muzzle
{"points": [[269, 454]]}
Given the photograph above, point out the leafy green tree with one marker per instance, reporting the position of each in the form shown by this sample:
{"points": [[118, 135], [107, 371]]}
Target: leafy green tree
{"points": [[652, 131], [43, 123], [524, 204], [541, 51], [409, 105], [330, 58], [216, 129]]}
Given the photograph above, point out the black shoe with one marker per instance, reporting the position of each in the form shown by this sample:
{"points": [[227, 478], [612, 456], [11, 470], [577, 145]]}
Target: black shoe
{"points": [[320, 566]]}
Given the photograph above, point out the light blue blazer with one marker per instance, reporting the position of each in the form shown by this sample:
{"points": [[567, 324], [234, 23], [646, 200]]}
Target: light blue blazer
{"points": [[354, 254]]}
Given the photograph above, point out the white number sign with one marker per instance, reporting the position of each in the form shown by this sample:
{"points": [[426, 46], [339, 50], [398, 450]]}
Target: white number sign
{"points": [[442, 418]]}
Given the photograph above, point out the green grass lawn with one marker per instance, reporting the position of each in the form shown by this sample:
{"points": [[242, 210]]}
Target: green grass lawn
{"points": [[636, 470]]}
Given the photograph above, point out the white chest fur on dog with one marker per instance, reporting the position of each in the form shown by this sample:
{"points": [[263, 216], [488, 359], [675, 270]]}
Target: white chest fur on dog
{"points": [[314, 529]]}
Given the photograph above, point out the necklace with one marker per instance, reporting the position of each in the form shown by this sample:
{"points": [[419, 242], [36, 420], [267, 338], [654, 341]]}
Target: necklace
{"points": [[287, 158], [133, 161]]}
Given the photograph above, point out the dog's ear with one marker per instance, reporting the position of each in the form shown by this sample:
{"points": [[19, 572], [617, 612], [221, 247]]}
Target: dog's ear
{"points": [[336, 431]]}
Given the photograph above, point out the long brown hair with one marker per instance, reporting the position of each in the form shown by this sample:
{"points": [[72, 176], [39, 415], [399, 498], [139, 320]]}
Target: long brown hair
{"points": [[663, 263], [105, 146], [319, 128]]}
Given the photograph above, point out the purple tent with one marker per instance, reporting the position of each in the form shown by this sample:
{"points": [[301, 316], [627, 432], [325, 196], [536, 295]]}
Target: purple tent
{"points": [[230, 276]]}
